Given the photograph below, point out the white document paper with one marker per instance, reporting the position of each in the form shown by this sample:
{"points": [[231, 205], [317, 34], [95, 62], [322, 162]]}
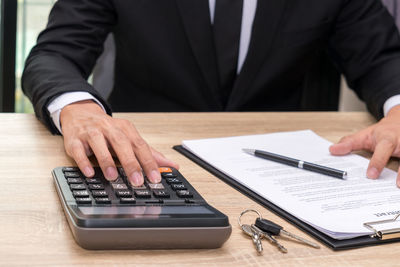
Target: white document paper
{"points": [[334, 206]]}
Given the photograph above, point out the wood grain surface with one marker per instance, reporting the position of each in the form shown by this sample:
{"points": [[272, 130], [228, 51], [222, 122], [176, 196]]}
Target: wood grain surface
{"points": [[34, 231]]}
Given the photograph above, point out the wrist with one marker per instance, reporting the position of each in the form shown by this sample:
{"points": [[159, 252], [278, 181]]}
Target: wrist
{"points": [[394, 111], [86, 105]]}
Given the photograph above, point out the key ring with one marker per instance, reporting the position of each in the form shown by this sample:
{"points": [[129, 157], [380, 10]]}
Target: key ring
{"points": [[246, 211]]}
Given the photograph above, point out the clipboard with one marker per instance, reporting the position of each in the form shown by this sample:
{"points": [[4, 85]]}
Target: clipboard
{"points": [[378, 238]]}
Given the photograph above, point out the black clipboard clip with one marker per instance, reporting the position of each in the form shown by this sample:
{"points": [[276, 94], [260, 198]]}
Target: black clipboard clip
{"points": [[385, 234]]}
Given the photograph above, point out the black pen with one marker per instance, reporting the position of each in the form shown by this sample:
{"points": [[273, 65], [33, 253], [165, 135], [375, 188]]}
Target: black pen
{"points": [[297, 163]]}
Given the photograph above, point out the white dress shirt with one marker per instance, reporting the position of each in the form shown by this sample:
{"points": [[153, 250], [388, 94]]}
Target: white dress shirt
{"points": [[248, 13]]}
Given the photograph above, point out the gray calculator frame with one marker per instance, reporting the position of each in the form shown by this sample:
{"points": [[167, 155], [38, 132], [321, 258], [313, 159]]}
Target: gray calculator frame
{"points": [[144, 238]]}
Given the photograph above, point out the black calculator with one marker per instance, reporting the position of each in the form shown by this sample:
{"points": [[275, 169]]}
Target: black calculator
{"points": [[116, 215]]}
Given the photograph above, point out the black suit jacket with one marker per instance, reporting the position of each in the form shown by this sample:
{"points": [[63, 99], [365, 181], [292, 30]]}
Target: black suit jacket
{"points": [[165, 57]]}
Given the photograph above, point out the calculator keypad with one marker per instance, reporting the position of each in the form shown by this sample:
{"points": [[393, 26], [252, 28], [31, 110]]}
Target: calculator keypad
{"points": [[74, 180], [96, 186], [128, 200], [98, 191], [77, 187], [155, 186], [102, 200], [93, 181], [142, 194], [83, 200], [123, 193], [161, 194], [80, 193], [184, 193]]}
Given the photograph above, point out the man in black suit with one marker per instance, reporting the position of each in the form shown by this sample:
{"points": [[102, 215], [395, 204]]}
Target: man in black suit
{"points": [[207, 55]]}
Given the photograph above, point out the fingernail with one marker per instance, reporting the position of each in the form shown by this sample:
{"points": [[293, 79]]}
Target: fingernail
{"points": [[155, 176], [111, 173], [136, 179], [372, 173], [88, 172]]}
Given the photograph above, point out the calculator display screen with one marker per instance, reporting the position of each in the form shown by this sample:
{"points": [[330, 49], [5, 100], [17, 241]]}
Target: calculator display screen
{"points": [[145, 211]]}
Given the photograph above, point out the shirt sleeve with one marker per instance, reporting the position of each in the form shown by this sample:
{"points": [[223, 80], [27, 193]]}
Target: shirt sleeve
{"points": [[391, 103]]}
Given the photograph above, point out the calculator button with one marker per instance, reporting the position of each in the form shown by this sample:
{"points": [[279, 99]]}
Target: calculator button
{"points": [[96, 186], [168, 175], [164, 169], [83, 200], [74, 181], [72, 174], [178, 187], [119, 180], [70, 169], [99, 193], [184, 193], [119, 186], [124, 193], [77, 187], [161, 193], [142, 194], [142, 187], [93, 181], [127, 200], [80, 193], [102, 200], [173, 181], [156, 186]]}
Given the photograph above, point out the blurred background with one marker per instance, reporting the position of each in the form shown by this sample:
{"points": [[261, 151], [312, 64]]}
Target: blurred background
{"points": [[31, 19]]}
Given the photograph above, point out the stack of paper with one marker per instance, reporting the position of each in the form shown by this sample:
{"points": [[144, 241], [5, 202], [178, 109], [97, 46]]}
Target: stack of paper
{"points": [[334, 206]]}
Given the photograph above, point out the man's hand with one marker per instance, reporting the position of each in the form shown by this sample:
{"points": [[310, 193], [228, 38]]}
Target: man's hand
{"points": [[382, 138], [88, 130]]}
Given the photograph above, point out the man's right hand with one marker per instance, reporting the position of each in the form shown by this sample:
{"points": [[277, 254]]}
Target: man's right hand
{"points": [[88, 130]]}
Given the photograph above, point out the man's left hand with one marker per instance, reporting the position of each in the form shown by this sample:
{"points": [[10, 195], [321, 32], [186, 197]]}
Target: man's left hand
{"points": [[382, 138]]}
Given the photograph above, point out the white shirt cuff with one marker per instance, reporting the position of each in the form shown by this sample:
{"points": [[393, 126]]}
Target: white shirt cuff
{"points": [[391, 103], [65, 99]]}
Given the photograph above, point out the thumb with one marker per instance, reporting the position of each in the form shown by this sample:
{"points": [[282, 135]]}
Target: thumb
{"points": [[344, 147], [162, 161], [349, 143]]}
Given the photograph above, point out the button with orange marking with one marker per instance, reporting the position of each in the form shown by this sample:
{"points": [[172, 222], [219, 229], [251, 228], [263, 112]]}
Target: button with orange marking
{"points": [[164, 169]]}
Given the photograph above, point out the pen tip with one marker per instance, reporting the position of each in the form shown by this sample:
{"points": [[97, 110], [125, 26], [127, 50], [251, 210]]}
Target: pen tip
{"points": [[249, 151]]}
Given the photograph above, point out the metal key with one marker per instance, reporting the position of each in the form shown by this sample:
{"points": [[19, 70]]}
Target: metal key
{"points": [[274, 229], [269, 237], [255, 236]]}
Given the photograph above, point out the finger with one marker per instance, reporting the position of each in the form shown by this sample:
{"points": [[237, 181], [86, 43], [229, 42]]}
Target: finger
{"points": [[383, 151], [123, 150], [99, 147], [77, 151], [351, 143], [162, 161], [88, 150], [147, 161], [144, 155]]}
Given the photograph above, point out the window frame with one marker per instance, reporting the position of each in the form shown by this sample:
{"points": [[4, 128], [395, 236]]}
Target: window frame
{"points": [[8, 30]]}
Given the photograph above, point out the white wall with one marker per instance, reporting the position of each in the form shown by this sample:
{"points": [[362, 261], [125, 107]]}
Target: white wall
{"points": [[348, 100]]}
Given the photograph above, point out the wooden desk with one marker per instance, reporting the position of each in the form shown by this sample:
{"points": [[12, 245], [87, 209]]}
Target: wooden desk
{"points": [[33, 229]]}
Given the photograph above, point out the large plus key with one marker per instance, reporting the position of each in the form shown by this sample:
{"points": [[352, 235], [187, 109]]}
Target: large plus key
{"points": [[275, 229], [256, 237]]}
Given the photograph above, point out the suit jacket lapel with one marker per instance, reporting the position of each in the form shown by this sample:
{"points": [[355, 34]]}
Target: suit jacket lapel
{"points": [[196, 20], [265, 26]]}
